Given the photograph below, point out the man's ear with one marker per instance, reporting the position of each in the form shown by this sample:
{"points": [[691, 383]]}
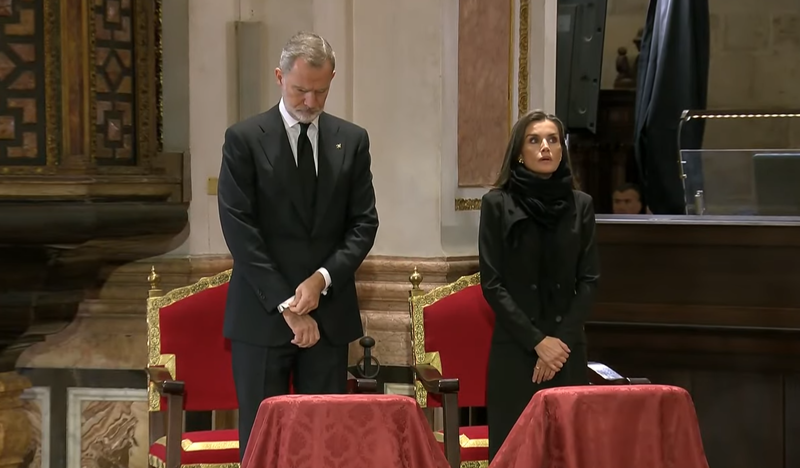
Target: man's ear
{"points": [[278, 76]]}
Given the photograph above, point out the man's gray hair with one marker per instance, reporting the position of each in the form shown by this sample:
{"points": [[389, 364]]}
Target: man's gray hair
{"points": [[312, 48]]}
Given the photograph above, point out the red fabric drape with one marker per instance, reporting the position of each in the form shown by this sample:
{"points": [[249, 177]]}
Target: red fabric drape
{"points": [[637, 426], [342, 431]]}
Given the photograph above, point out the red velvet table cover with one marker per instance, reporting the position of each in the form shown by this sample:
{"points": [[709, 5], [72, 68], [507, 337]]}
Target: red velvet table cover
{"points": [[652, 426], [342, 431]]}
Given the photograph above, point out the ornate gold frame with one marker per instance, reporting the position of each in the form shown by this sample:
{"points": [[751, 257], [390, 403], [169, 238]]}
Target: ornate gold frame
{"points": [[475, 464], [417, 306], [154, 306]]}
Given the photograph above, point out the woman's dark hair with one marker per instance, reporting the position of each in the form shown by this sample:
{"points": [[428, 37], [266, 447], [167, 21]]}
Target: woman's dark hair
{"points": [[517, 139]]}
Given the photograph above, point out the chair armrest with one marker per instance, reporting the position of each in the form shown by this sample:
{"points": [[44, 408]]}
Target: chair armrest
{"points": [[433, 381], [359, 385], [601, 374], [158, 374], [163, 381], [174, 391]]}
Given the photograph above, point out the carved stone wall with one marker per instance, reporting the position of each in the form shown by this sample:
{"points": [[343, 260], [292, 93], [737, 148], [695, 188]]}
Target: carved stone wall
{"points": [[80, 101]]}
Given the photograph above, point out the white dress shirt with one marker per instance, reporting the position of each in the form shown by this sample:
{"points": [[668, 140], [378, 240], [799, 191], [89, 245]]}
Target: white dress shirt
{"points": [[293, 131]]}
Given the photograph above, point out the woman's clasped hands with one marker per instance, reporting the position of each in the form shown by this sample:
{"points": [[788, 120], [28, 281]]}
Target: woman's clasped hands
{"points": [[553, 353]]}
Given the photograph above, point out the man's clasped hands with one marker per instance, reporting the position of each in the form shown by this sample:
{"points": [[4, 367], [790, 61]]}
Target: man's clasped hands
{"points": [[305, 300]]}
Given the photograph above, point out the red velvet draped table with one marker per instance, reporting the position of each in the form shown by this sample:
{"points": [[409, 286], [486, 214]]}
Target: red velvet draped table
{"points": [[342, 431], [638, 426]]}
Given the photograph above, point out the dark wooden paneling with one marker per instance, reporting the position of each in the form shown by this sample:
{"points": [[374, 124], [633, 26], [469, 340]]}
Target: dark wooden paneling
{"points": [[715, 310], [791, 400], [604, 160]]}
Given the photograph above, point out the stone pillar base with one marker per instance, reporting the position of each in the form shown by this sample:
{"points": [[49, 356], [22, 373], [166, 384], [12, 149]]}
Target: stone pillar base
{"points": [[15, 429], [383, 286]]}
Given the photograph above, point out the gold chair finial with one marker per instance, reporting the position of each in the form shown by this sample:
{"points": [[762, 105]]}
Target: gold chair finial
{"points": [[155, 282], [415, 279]]}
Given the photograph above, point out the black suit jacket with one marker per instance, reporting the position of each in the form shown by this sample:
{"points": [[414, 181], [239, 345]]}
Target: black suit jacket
{"points": [[276, 243], [510, 271]]}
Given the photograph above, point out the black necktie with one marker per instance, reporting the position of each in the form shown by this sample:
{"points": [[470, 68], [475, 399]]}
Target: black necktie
{"points": [[305, 166]]}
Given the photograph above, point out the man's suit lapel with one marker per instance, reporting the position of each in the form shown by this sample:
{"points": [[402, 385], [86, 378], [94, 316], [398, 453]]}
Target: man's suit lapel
{"points": [[330, 155], [275, 143]]}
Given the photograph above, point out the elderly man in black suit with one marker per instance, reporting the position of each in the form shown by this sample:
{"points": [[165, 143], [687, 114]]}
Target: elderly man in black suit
{"points": [[297, 208]]}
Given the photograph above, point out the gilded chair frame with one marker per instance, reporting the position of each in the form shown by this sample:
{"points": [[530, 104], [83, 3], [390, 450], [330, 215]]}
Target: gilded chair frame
{"points": [[418, 304], [161, 369], [427, 366], [155, 359]]}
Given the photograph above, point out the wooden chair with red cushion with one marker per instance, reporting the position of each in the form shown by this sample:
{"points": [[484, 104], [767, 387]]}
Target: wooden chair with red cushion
{"points": [[452, 329], [189, 369]]}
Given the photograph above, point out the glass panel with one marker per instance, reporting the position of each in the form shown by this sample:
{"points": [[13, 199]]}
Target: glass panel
{"points": [[744, 182]]}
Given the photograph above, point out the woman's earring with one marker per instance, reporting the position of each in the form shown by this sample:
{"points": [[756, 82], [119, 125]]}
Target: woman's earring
{"points": [[520, 160]]}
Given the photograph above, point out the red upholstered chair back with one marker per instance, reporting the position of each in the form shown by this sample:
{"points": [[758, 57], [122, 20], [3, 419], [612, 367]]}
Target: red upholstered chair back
{"points": [[452, 328], [185, 336]]}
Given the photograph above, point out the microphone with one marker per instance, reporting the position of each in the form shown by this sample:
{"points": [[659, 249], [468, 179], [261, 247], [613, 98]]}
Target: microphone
{"points": [[368, 366]]}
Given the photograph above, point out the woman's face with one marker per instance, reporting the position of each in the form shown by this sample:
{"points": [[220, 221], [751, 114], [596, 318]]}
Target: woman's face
{"points": [[541, 148]]}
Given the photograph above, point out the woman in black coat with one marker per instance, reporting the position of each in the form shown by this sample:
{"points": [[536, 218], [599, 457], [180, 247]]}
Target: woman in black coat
{"points": [[539, 270]]}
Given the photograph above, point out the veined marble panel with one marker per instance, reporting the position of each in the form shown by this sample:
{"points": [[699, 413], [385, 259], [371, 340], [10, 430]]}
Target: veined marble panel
{"points": [[107, 427], [36, 403]]}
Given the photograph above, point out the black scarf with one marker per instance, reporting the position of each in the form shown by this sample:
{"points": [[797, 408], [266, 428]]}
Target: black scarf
{"points": [[545, 201]]}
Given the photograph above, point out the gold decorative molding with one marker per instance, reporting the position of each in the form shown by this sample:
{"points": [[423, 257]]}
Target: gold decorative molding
{"points": [[511, 39], [522, 73], [470, 464], [52, 78], [145, 51], [468, 204], [159, 58], [463, 440], [188, 446]]}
